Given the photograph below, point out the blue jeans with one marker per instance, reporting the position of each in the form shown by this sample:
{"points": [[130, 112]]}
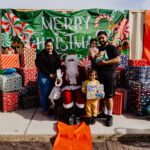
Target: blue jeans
{"points": [[46, 84]]}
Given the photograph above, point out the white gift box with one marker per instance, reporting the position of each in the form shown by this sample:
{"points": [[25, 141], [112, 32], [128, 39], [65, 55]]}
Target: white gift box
{"points": [[10, 82]]}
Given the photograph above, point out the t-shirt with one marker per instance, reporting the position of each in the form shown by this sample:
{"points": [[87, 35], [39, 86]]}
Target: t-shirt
{"points": [[108, 52], [93, 89]]}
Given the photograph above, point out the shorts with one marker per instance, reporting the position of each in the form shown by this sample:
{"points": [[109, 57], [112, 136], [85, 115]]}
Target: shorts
{"points": [[108, 79]]}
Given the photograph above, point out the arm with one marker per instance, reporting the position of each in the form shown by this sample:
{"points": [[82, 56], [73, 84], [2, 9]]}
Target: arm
{"points": [[109, 62], [84, 87]]}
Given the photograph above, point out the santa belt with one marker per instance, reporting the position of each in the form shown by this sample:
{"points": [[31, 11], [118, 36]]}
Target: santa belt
{"points": [[72, 84], [71, 87]]}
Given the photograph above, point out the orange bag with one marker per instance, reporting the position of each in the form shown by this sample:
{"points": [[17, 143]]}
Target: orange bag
{"points": [[73, 137]]}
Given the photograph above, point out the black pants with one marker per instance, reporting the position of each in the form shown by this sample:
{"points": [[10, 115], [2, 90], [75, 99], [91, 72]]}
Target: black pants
{"points": [[108, 79]]}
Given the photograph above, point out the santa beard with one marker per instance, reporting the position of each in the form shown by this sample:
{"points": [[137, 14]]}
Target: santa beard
{"points": [[72, 72]]}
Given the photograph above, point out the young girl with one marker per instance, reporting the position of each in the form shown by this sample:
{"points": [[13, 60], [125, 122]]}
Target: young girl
{"points": [[94, 91], [93, 52]]}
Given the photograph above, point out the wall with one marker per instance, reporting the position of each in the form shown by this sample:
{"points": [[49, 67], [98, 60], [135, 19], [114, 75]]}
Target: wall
{"points": [[137, 20]]}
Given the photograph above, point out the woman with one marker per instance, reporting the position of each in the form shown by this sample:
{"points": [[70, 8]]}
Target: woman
{"points": [[47, 62]]}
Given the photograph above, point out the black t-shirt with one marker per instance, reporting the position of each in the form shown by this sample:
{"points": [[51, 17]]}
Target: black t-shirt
{"points": [[47, 63], [109, 52]]}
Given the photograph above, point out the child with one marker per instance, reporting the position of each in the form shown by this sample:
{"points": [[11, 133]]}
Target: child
{"points": [[94, 91], [93, 52]]}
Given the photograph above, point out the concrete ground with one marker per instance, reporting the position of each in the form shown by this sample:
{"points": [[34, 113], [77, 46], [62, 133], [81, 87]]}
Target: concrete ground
{"points": [[32, 122]]}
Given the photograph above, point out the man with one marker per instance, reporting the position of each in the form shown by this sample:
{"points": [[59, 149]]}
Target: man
{"points": [[73, 98], [106, 73]]}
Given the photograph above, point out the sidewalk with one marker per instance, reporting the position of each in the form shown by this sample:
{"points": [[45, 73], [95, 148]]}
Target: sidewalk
{"points": [[32, 122]]}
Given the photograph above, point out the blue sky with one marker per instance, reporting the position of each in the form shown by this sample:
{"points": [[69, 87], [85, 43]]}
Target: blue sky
{"points": [[76, 4]]}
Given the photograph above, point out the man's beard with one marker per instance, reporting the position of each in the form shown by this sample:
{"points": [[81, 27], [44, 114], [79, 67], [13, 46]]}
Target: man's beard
{"points": [[72, 72], [103, 43]]}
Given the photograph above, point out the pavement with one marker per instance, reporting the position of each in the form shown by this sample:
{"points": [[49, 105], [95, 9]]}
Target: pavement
{"points": [[32, 122]]}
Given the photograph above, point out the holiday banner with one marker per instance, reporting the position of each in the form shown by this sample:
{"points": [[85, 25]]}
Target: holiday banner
{"points": [[71, 32]]}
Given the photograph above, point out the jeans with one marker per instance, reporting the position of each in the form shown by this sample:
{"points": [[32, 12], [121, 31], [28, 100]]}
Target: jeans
{"points": [[46, 84]]}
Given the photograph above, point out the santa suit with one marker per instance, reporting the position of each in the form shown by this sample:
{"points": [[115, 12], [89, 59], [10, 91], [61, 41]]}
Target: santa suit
{"points": [[71, 92]]}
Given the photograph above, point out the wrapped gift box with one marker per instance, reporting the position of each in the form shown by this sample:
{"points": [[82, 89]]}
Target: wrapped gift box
{"points": [[125, 93], [134, 92], [27, 57], [10, 82], [9, 101], [29, 97], [138, 73], [123, 61], [138, 97], [29, 76], [142, 62], [120, 77], [118, 103], [9, 61]]}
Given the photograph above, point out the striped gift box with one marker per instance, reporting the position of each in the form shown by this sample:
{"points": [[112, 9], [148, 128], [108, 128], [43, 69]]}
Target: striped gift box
{"points": [[9, 101], [27, 58], [29, 76], [9, 61], [10, 82], [142, 62]]}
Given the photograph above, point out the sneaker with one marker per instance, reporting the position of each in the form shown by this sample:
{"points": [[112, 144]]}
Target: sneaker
{"points": [[93, 121], [71, 119], [109, 121], [77, 120], [102, 115], [88, 120]]}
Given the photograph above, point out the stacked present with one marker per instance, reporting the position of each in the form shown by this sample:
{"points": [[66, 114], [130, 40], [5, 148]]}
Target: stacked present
{"points": [[133, 62], [27, 58], [120, 77], [138, 96], [9, 85], [29, 76], [120, 70], [120, 101], [10, 81], [9, 61], [138, 83], [28, 70], [138, 73], [9, 101], [123, 61], [29, 97]]}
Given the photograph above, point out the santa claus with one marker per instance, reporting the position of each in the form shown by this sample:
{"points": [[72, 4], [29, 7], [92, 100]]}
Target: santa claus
{"points": [[73, 98]]}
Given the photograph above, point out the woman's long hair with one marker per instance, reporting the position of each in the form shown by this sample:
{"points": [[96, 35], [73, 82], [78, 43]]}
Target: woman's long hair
{"points": [[54, 50]]}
